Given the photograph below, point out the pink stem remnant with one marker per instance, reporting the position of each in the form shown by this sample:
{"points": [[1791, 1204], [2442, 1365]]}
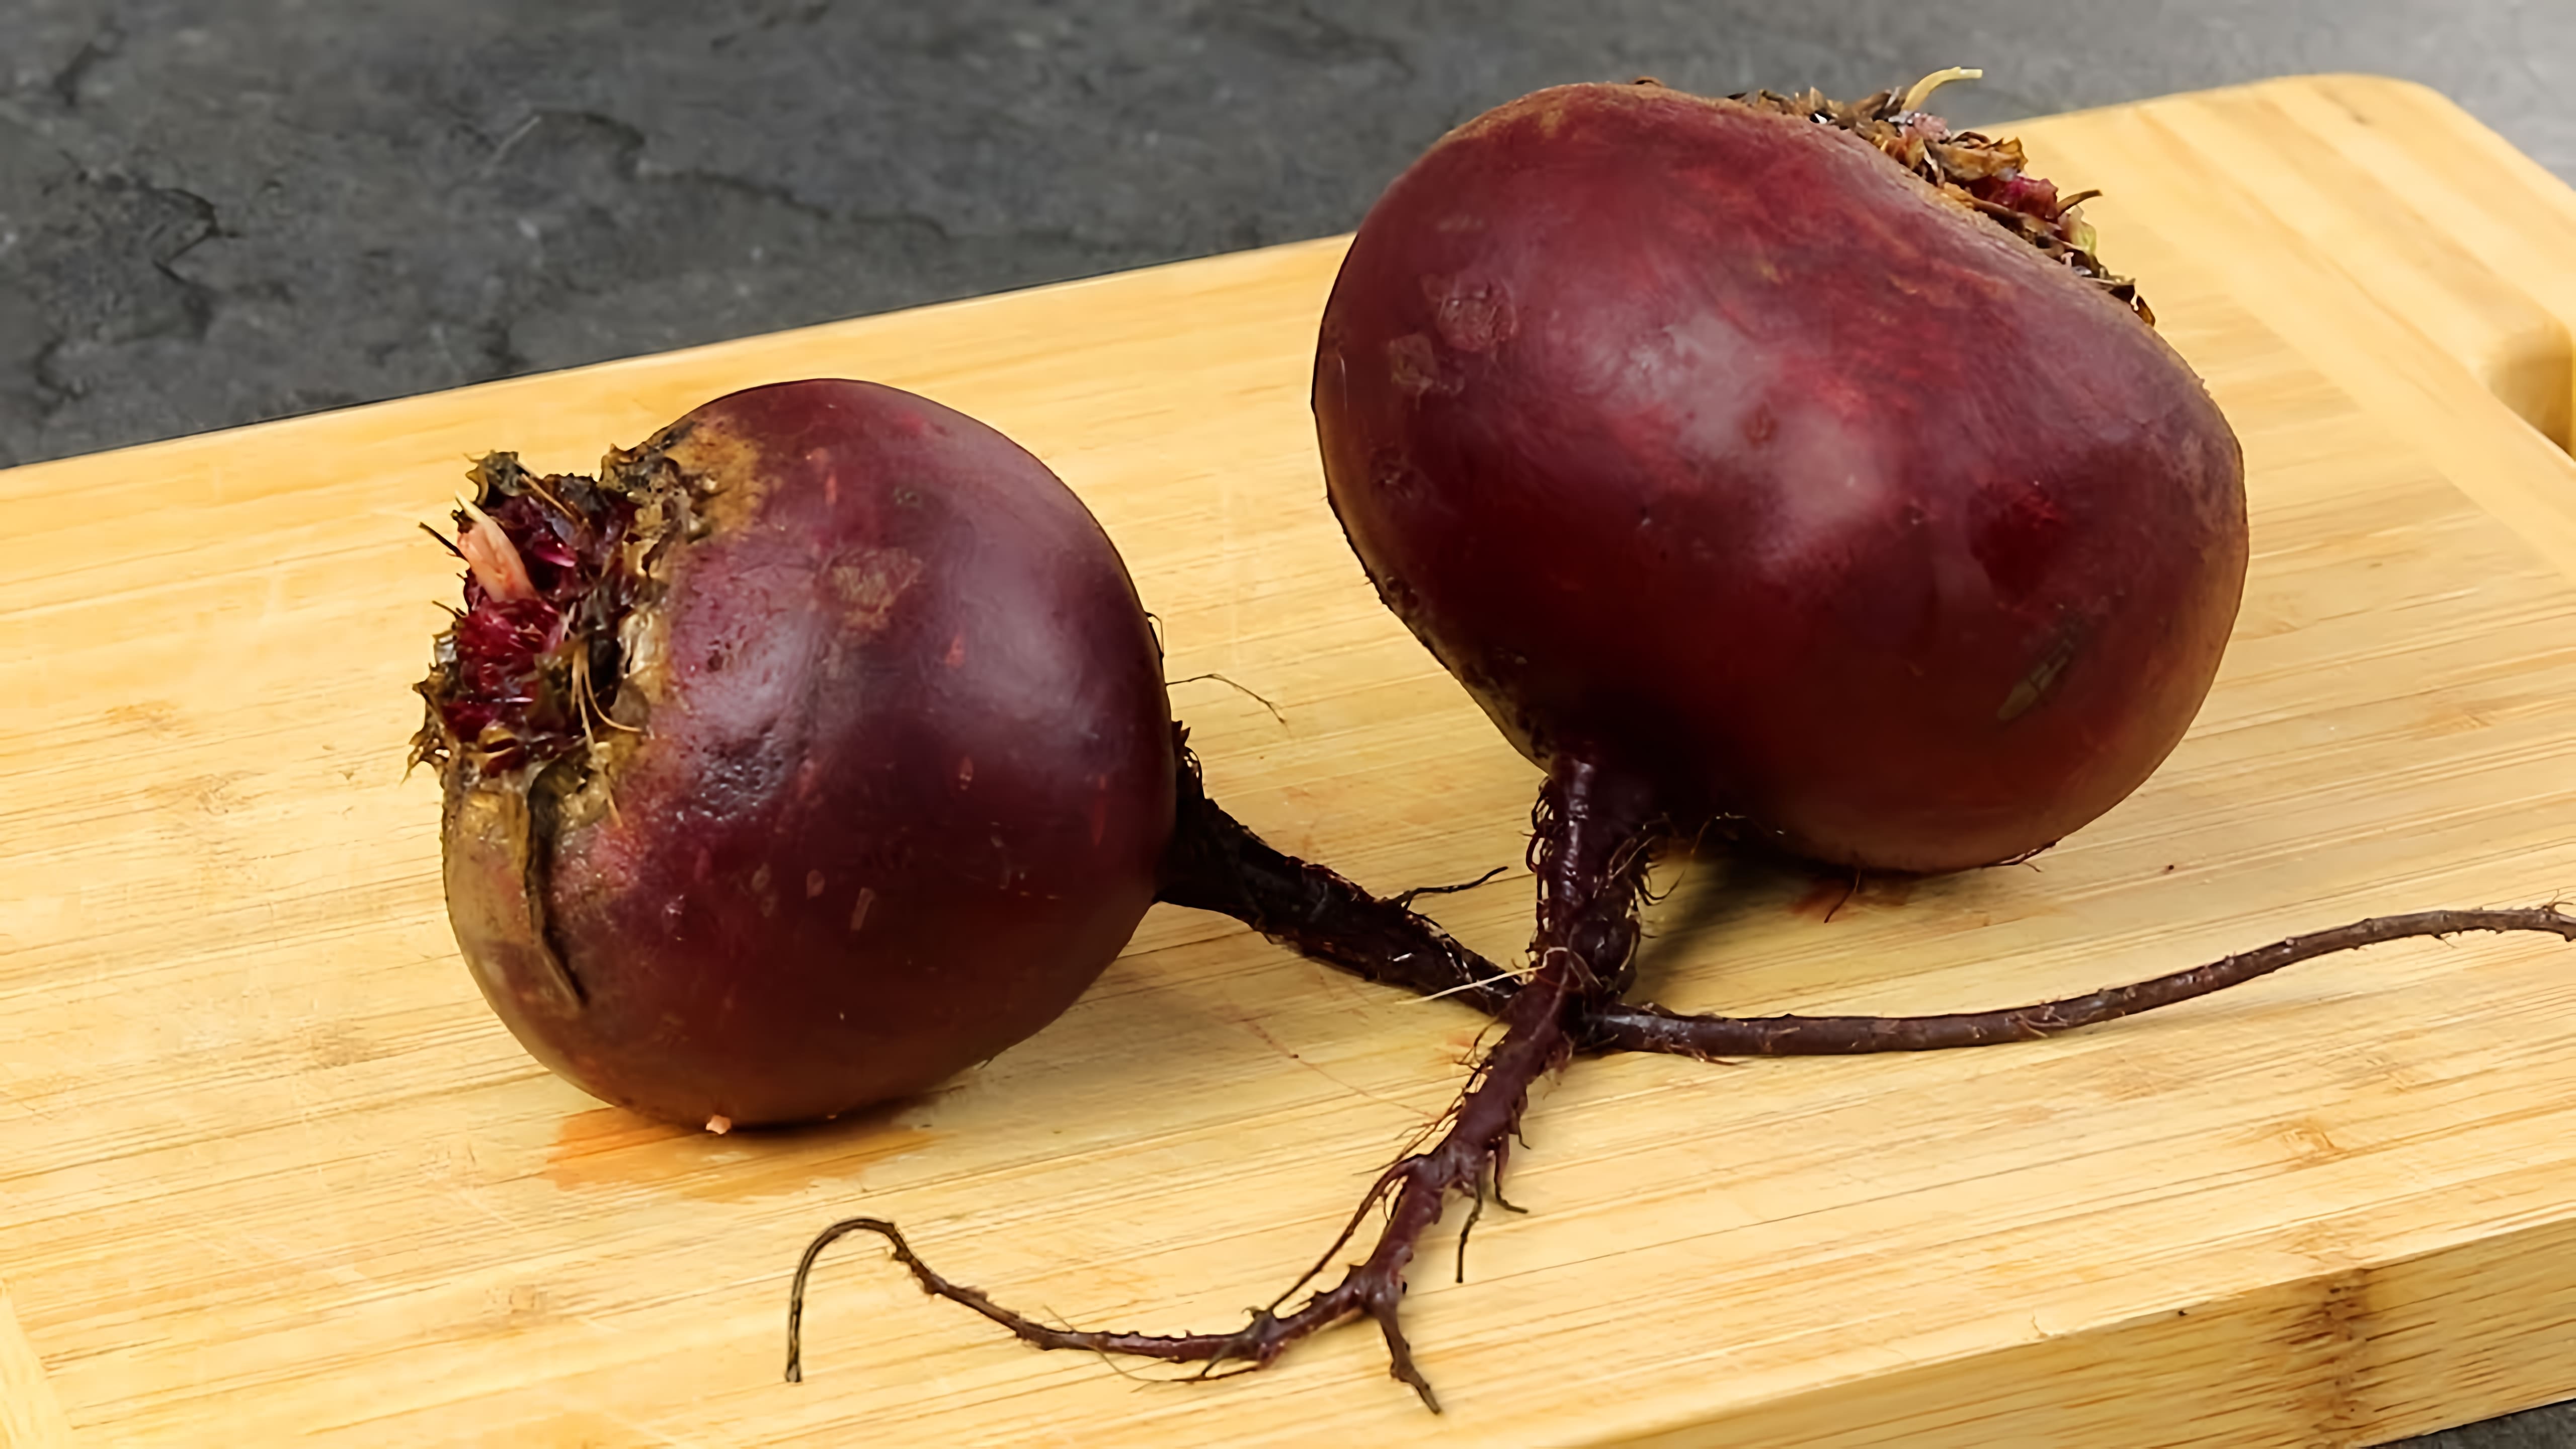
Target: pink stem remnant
{"points": [[493, 558]]}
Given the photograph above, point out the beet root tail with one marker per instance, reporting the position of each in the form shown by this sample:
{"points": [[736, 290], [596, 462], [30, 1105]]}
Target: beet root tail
{"points": [[1470, 1152], [1618, 1026], [1590, 852]]}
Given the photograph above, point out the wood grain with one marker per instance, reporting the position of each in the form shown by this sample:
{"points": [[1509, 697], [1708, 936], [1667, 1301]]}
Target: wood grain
{"points": [[30, 1417], [270, 1171]]}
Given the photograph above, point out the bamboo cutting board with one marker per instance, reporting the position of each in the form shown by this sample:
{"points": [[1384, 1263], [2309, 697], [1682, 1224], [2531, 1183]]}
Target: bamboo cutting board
{"points": [[270, 1172]]}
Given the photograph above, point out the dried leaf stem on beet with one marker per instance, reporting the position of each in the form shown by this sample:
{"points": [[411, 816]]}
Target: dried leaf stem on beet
{"points": [[1603, 810]]}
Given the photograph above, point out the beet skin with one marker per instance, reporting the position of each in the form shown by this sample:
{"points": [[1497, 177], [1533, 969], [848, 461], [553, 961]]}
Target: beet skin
{"points": [[1705, 440], [815, 751]]}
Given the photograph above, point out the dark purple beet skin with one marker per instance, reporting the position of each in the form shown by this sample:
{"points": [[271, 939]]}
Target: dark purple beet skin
{"points": [[1706, 439], [880, 785]]}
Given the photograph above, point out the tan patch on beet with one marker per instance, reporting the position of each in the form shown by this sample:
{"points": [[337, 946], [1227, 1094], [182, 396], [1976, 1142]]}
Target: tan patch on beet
{"points": [[727, 472], [497, 900], [2034, 686], [867, 584], [1413, 365], [1473, 313]]}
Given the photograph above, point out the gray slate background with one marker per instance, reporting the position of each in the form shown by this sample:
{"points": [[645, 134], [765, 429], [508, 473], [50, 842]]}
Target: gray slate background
{"points": [[218, 211]]}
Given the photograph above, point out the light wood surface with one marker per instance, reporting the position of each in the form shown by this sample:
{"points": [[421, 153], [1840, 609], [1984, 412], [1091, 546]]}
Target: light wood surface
{"points": [[30, 1418], [270, 1173]]}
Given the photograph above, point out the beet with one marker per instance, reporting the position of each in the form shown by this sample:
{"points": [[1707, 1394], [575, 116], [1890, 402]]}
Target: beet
{"points": [[1706, 437], [1769, 469], [814, 751]]}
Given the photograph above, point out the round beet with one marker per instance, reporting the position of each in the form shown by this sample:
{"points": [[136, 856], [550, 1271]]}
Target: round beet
{"points": [[1714, 442], [815, 750]]}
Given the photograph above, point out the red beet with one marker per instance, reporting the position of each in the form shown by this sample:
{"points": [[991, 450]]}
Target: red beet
{"points": [[1811, 474], [814, 751], [1703, 437]]}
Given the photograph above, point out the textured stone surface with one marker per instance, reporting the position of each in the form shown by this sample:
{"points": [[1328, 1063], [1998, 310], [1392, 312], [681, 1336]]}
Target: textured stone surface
{"points": [[218, 211]]}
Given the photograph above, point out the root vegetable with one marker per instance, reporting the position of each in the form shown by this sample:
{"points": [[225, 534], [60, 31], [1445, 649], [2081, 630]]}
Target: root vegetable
{"points": [[1746, 470], [815, 750], [1705, 439]]}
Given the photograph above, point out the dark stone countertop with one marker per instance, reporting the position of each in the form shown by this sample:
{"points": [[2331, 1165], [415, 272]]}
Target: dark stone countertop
{"points": [[218, 211]]}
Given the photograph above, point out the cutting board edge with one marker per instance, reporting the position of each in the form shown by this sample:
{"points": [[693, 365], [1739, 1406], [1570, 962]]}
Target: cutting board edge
{"points": [[2305, 1358], [31, 1416]]}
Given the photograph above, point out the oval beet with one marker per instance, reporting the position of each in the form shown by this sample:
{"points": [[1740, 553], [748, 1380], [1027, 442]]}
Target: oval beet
{"points": [[1708, 439], [815, 750]]}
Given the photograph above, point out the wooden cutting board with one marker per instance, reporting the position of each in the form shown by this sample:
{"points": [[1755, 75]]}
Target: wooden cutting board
{"points": [[270, 1173]]}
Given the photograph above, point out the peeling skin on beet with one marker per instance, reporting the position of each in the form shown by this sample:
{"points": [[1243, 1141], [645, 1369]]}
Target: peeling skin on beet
{"points": [[814, 751]]}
